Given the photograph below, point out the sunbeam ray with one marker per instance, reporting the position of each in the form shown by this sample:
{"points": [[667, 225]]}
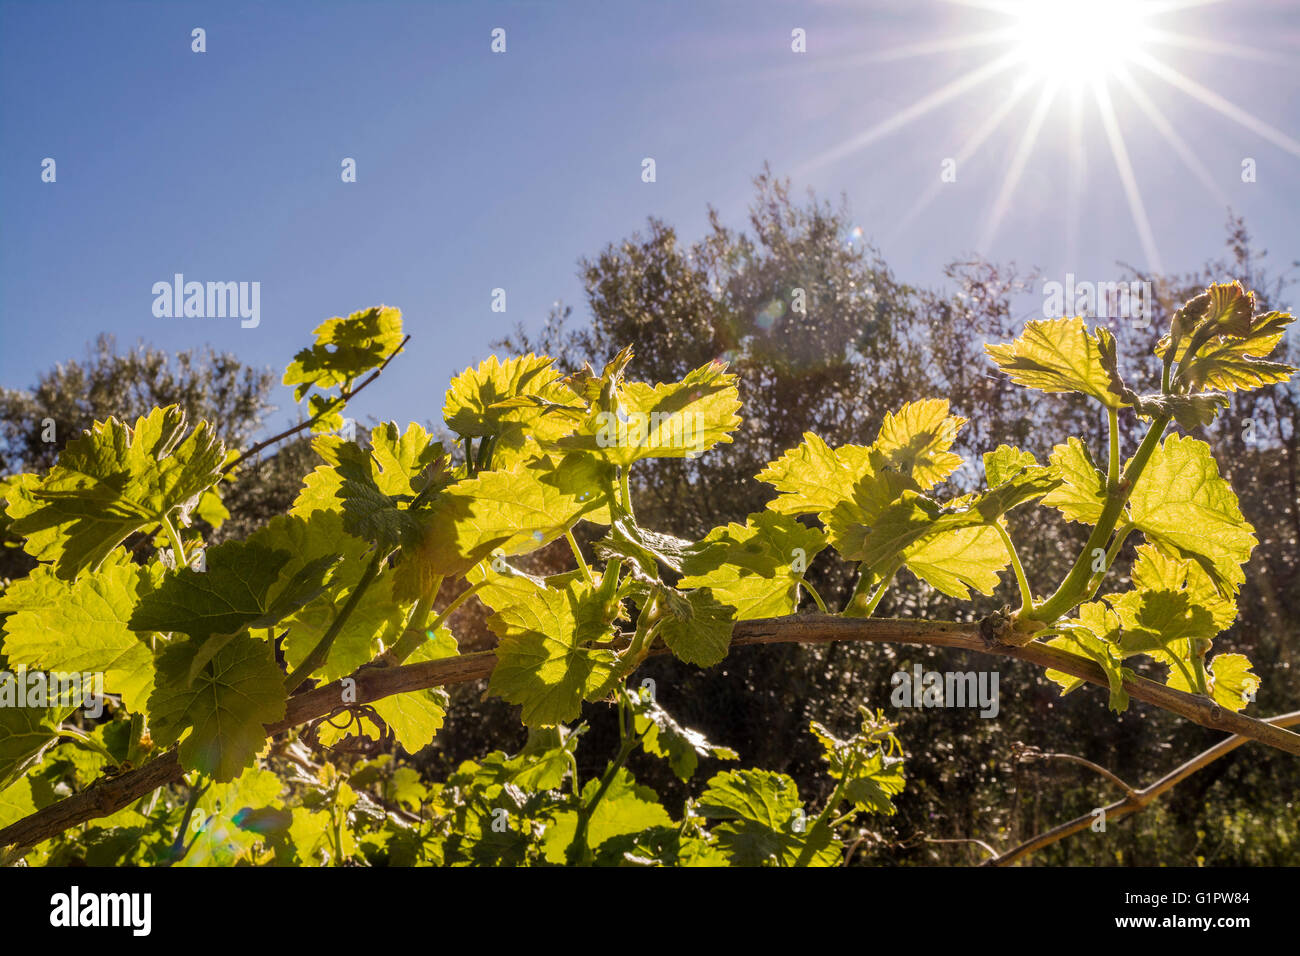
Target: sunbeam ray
{"points": [[967, 150], [1217, 103], [918, 109], [948, 45], [1165, 129], [1183, 41], [1078, 171], [1005, 7], [1017, 167], [1158, 8], [1126, 176]]}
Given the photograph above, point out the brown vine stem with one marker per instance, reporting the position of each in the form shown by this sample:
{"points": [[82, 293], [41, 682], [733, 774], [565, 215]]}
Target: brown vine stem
{"points": [[1083, 762], [1136, 800], [346, 397], [375, 683]]}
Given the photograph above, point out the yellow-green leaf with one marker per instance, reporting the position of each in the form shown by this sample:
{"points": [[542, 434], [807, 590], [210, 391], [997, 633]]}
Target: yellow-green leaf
{"points": [[1057, 355]]}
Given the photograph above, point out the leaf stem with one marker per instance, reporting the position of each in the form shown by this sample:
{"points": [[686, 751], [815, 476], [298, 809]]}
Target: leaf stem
{"points": [[470, 470], [1026, 595], [817, 598], [577, 554], [1112, 553], [578, 852], [835, 799], [345, 396], [178, 849], [84, 739], [317, 655], [1112, 466], [880, 592], [624, 474], [177, 546], [416, 627], [456, 602], [1075, 586]]}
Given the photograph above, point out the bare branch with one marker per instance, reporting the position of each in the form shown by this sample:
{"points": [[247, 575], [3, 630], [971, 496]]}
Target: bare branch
{"points": [[979, 843], [1033, 754], [345, 397], [1136, 800]]}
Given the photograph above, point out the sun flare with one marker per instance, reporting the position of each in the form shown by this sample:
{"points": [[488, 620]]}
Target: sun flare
{"points": [[1067, 57], [1077, 41]]}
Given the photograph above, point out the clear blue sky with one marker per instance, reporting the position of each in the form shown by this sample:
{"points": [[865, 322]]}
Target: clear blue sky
{"points": [[478, 170]]}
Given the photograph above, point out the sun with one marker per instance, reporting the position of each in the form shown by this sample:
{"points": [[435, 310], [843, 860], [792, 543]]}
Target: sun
{"points": [[1065, 55], [1079, 42]]}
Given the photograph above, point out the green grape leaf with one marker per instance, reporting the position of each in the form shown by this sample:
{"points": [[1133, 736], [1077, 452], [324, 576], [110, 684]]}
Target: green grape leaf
{"points": [[1094, 635], [220, 717], [1221, 344], [1057, 355], [1233, 683], [698, 629], [1187, 511], [415, 717], [626, 808], [223, 834], [752, 566], [813, 478], [544, 761], [326, 413], [956, 561], [658, 846], [1156, 571], [514, 401], [377, 618], [373, 488], [543, 661], [763, 821], [1189, 411], [345, 349], [884, 515], [647, 549], [501, 584], [1081, 496], [1230, 363], [306, 539], [664, 737], [872, 774], [952, 547], [211, 508], [1161, 621], [240, 589], [513, 511], [680, 420], [16, 801], [81, 627], [25, 732], [1006, 462], [111, 482], [915, 441]]}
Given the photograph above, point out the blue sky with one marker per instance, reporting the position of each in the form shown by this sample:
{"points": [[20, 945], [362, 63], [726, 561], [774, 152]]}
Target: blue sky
{"points": [[479, 170]]}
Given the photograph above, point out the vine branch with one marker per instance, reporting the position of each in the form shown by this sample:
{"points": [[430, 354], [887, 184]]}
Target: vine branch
{"points": [[344, 398], [1135, 800]]}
